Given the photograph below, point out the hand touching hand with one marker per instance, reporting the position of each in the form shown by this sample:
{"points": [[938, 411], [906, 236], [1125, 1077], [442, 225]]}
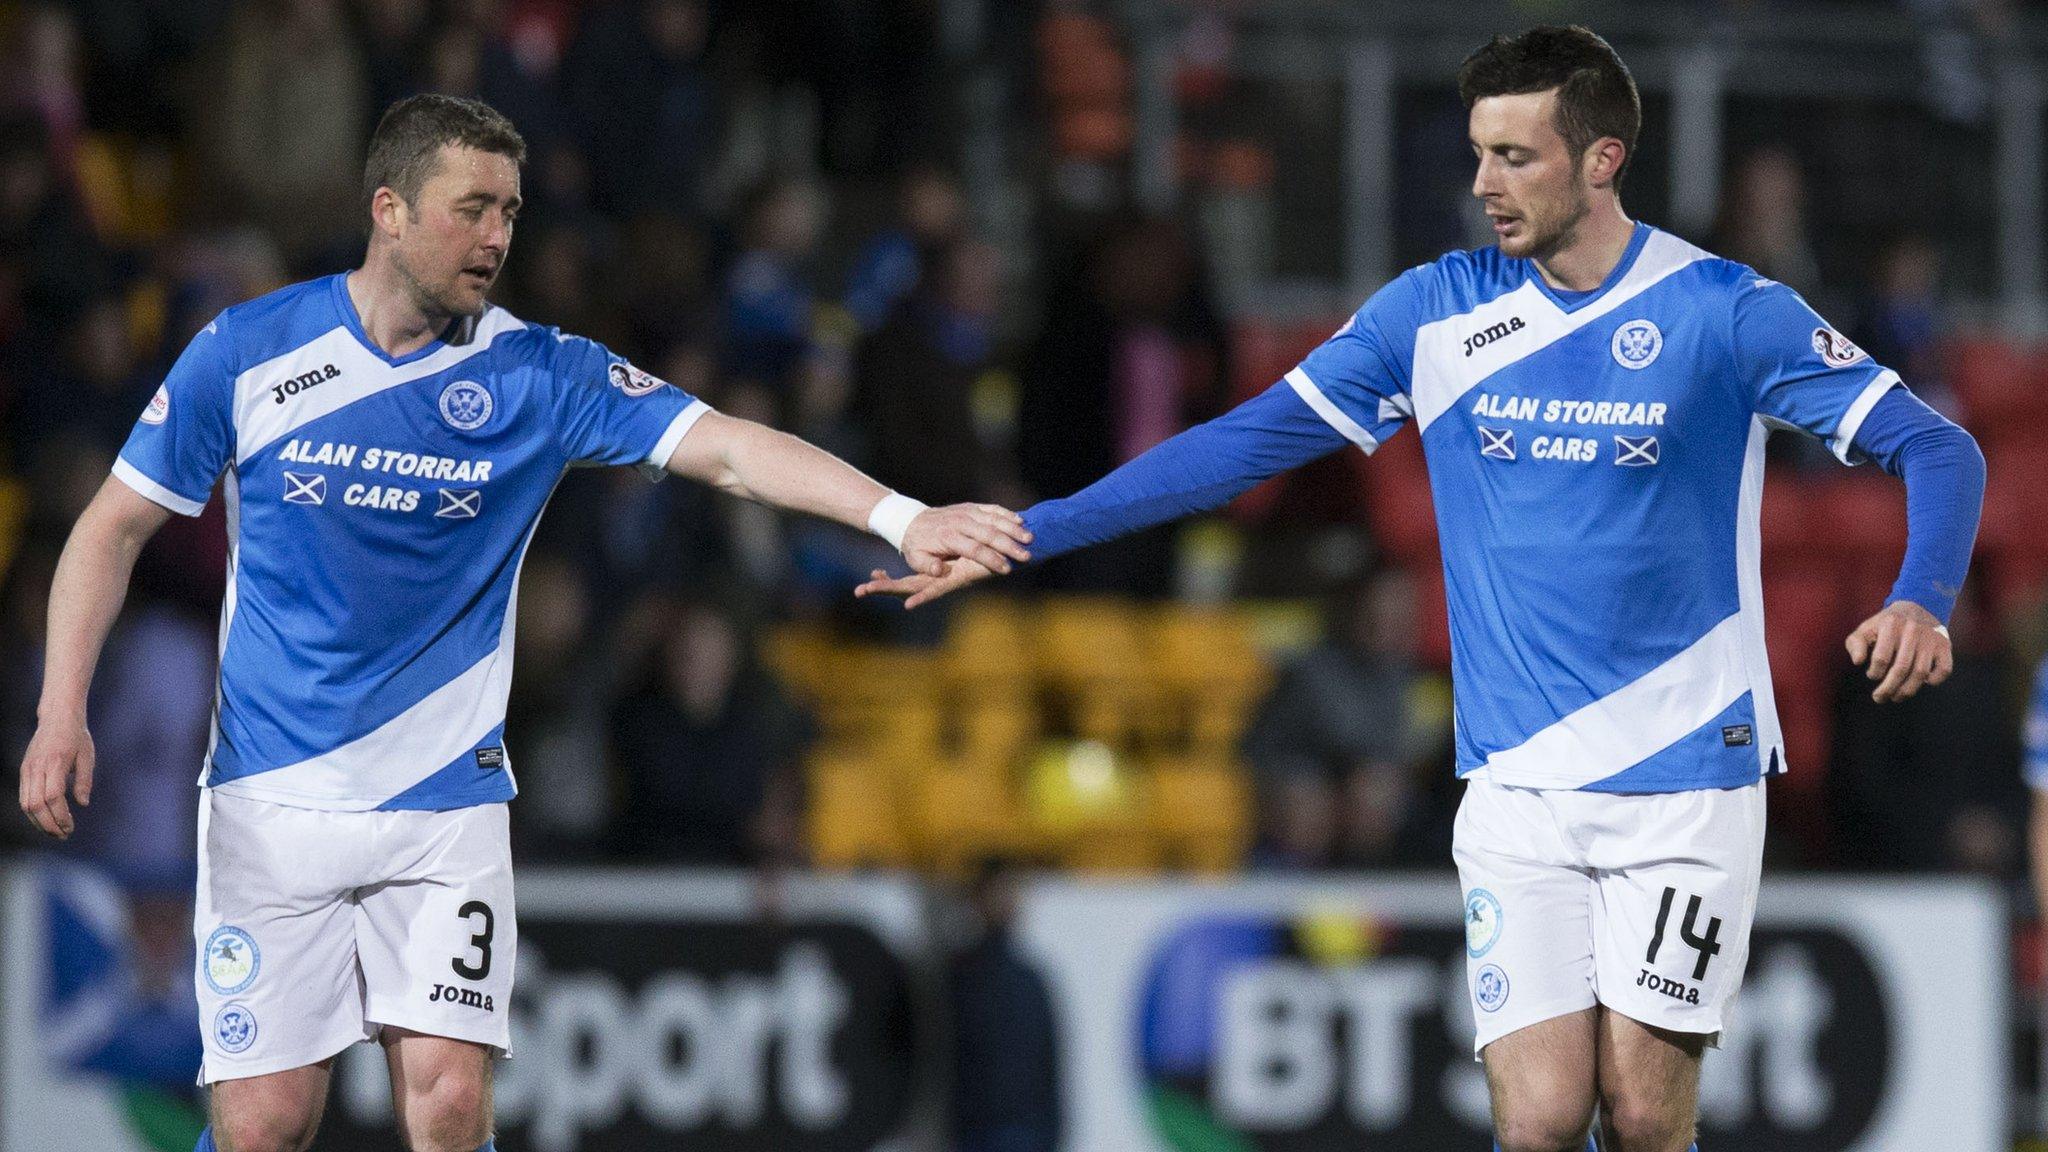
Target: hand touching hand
{"points": [[986, 534], [920, 588], [1905, 647]]}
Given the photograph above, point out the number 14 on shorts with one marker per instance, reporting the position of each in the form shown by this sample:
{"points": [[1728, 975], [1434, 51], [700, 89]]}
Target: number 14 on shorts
{"points": [[1706, 945]]}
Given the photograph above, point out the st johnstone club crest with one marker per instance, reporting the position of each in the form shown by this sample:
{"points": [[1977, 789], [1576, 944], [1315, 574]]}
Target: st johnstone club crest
{"points": [[1636, 344], [465, 405]]}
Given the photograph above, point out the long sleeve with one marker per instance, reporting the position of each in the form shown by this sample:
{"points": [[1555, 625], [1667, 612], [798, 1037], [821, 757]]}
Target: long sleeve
{"points": [[1944, 475], [1202, 468]]}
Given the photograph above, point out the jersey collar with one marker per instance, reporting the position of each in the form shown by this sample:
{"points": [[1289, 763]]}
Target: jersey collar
{"points": [[1579, 300], [459, 331]]}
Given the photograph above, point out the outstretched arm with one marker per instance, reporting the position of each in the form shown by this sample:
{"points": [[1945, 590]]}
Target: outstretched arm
{"points": [[1906, 644], [85, 596], [1204, 467], [761, 464]]}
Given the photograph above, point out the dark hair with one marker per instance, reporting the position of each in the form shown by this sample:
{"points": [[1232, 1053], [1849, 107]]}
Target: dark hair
{"points": [[409, 138], [1596, 96]]}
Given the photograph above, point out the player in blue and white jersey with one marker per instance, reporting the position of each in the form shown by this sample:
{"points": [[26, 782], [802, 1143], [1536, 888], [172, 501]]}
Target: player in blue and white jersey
{"points": [[385, 441], [1593, 397]]}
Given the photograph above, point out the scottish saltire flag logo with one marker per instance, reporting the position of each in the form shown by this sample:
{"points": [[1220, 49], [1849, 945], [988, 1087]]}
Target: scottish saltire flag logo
{"points": [[1635, 451], [460, 503], [304, 488], [1498, 443]]}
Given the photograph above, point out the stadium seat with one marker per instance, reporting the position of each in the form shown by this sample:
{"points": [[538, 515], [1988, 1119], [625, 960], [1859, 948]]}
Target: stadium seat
{"points": [[1432, 614], [851, 817], [1787, 521], [1998, 382], [996, 731], [800, 655], [988, 646], [1401, 511], [961, 812], [1863, 519], [1201, 809], [1084, 633]]}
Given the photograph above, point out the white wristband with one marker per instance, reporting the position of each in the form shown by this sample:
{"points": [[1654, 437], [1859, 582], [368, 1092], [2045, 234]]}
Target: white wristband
{"points": [[892, 516]]}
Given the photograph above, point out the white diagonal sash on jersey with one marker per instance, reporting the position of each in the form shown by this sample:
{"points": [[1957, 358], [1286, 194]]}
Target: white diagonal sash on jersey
{"points": [[1443, 372], [369, 770], [260, 420], [1634, 722], [1749, 586]]}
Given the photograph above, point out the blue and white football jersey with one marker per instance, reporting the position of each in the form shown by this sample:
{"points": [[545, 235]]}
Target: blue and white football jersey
{"points": [[1597, 464], [378, 512], [2037, 729]]}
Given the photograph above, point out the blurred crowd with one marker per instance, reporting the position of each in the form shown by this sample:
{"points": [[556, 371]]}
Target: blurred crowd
{"points": [[758, 203]]}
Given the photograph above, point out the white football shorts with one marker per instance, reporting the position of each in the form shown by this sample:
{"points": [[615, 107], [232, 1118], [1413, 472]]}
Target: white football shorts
{"points": [[1641, 902], [315, 928]]}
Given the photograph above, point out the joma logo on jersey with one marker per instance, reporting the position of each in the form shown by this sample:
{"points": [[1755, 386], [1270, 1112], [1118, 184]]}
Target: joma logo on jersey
{"points": [[467, 997], [303, 381], [1492, 332]]}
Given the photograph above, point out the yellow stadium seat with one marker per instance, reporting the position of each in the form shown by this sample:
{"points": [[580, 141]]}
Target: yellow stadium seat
{"points": [[1125, 849], [988, 646], [799, 655], [1091, 638], [852, 820], [1202, 808], [1202, 646], [960, 813], [996, 731]]}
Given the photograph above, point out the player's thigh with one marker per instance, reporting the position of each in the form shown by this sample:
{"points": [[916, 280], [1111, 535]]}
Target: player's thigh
{"points": [[437, 942], [1649, 1085], [1542, 1082], [277, 981], [440, 1090], [1676, 895], [275, 1112], [1528, 931]]}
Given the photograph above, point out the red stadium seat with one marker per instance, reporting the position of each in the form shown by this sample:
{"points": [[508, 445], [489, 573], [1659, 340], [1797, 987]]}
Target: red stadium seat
{"points": [[1804, 623], [1432, 615], [1787, 520], [2016, 483], [1400, 509], [1862, 520], [1997, 381]]}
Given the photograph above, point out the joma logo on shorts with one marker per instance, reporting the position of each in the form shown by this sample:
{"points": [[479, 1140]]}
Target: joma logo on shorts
{"points": [[467, 997], [1492, 332], [1668, 986], [303, 381]]}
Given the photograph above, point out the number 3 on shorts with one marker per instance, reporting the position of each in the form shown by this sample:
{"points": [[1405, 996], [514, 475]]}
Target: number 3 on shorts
{"points": [[481, 942]]}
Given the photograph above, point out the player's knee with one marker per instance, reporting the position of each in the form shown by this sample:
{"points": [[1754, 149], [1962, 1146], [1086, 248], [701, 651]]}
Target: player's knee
{"points": [[1643, 1122], [1542, 1130], [273, 1131], [454, 1115]]}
